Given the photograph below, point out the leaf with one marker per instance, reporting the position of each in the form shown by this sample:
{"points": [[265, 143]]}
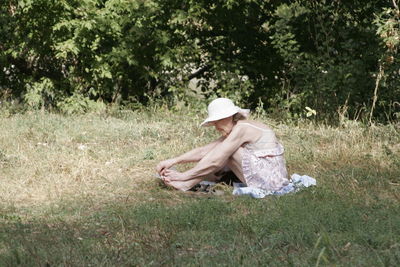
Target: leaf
{"points": [[310, 112]]}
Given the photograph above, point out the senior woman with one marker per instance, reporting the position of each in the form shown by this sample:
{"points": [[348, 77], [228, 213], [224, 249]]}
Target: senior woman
{"points": [[249, 148]]}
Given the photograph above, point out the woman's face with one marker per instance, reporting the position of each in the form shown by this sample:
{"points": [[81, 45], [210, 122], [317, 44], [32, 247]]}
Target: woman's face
{"points": [[224, 126]]}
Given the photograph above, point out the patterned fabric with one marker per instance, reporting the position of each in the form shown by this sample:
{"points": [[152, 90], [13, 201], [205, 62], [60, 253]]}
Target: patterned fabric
{"points": [[264, 168]]}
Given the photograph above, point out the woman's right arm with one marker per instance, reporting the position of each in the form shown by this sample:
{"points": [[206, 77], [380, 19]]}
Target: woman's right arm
{"points": [[193, 155]]}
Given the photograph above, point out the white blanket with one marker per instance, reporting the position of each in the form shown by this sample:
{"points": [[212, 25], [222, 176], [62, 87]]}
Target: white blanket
{"points": [[297, 182]]}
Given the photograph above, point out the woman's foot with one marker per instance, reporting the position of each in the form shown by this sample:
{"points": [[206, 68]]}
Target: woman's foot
{"points": [[180, 185]]}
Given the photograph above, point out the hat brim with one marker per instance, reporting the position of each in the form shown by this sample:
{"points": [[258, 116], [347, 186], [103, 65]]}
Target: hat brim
{"points": [[207, 122]]}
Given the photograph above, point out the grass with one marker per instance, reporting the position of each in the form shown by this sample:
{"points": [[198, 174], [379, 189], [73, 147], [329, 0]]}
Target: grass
{"points": [[80, 191]]}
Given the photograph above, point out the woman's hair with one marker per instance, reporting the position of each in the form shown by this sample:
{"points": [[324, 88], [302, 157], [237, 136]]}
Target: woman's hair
{"points": [[238, 116]]}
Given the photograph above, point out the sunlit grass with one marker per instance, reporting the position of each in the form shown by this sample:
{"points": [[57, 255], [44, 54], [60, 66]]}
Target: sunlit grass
{"points": [[80, 190]]}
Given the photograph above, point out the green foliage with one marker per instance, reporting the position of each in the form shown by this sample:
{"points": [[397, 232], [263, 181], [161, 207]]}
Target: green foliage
{"points": [[388, 29], [288, 54], [78, 104], [39, 93], [328, 62]]}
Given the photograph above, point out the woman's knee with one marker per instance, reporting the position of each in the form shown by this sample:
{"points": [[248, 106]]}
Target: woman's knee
{"points": [[237, 156]]}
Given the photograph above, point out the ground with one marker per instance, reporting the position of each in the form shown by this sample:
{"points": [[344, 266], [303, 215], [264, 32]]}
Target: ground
{"points": [[80, 190]]}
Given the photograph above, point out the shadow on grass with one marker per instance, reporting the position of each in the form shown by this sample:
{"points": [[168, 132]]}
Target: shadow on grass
{"points": [[312, 227]]}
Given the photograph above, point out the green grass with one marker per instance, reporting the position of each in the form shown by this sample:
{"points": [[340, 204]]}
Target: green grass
{"points": [[80, 191]]}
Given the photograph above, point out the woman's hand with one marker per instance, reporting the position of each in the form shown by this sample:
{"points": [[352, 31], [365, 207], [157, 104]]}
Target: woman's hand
{"points": [[164, 165], [172, 175]]}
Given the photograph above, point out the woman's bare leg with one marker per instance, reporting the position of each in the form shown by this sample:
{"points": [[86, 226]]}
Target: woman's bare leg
{"points": [[188, 184], [234, 163]]}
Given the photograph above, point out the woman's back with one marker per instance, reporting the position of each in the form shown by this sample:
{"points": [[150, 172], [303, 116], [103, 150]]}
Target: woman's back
{"points": [[267, 140]]}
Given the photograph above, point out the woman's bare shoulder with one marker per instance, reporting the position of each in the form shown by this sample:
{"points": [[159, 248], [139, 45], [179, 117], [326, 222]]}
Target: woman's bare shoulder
{"points": [[254, 123]]}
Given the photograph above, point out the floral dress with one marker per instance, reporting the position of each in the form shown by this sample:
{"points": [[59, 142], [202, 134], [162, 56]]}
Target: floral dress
{"points": [[263, 162]]}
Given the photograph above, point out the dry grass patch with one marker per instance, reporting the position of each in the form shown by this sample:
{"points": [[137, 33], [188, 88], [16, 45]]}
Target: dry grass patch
{"points": [[48, 158]]}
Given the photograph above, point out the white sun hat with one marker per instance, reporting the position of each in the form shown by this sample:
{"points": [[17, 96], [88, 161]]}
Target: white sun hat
{"points": [[222, 108]]}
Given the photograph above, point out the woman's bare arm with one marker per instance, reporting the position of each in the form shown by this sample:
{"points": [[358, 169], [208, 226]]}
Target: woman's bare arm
{"points": [[193, 155], [198, 153]]}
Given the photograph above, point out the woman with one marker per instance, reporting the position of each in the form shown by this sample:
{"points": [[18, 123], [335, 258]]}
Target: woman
{"points": [[249, 148]]}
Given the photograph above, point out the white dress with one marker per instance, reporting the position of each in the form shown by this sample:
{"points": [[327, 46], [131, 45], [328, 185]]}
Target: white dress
{"points": [[263, 162]]}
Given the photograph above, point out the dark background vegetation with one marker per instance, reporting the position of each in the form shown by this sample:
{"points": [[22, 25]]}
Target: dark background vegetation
{"points": [[339, 58]]}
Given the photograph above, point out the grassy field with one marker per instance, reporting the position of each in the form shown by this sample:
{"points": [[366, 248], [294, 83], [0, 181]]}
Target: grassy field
{"points": [[81, 191]]}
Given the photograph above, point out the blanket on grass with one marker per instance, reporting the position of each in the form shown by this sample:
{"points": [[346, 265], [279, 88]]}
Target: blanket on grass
{"points": [[297, 182]]}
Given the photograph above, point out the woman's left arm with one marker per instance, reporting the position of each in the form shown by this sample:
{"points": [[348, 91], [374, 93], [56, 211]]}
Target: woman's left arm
{"points": [[218, 156]]}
